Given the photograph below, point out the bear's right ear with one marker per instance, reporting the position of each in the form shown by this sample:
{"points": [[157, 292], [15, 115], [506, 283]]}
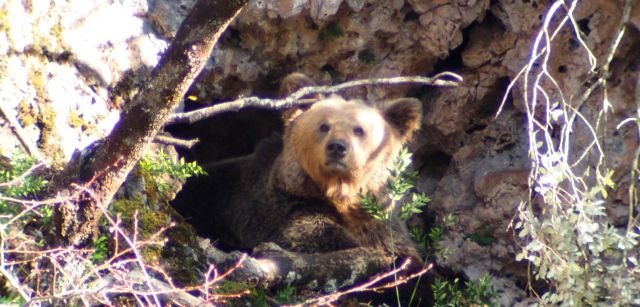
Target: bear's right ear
{"points": [[404, 115], [291, 83]]}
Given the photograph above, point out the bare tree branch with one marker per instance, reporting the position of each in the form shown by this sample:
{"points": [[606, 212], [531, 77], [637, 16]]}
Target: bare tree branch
{"points": [[29, 147], [21, 177], [167, 140], [370, 286], [295, 97]]}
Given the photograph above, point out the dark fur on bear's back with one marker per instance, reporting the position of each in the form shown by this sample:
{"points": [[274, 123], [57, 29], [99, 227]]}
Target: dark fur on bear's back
{"points": [[224, 203]]}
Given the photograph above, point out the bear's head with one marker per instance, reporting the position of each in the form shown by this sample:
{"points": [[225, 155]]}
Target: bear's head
{"points": [[341, 148]]}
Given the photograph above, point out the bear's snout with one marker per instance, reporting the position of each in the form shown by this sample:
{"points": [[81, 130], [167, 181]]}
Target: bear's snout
{"points": [[337, 149]]}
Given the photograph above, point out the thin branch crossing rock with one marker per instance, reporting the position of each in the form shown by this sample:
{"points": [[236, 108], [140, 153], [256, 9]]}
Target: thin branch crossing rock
{"points": [[296, 97]]}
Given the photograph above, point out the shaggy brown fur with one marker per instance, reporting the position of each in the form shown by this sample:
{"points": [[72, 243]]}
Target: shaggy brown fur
{"points": [[302, 191]]}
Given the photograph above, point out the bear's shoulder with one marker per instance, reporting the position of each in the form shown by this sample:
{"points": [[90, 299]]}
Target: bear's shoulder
{"points": [[268, 149]]}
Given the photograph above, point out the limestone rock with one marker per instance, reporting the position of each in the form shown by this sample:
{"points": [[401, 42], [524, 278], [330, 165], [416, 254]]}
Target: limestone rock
{"points": [[63, 57], [166, 16]]}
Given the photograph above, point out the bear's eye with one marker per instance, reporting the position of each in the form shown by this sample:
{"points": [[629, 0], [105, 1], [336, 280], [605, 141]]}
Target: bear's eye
{"points": [[358, 131], [324, 128]]}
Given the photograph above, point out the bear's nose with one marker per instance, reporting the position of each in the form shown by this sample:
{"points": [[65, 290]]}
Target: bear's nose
{"points": [[336, 149]]}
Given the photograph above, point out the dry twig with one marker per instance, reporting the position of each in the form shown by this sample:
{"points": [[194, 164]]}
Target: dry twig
{"points": [[21, 177], [569, 174], [29, 147], [67, 273], [369, 286], [167, 140]]}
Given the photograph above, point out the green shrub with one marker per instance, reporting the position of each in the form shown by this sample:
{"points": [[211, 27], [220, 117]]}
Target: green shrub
{"points": [[483, 235], [404, 180], [28, 187], [161, 164], [101, 249], [286, 295], [568, 239], [431, 241], [480, 293]]}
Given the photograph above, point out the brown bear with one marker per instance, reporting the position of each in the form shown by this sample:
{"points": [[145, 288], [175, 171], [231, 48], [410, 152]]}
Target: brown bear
{"points": [[302, 191]]}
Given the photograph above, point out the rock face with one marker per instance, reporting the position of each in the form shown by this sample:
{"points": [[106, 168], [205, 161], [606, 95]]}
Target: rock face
{"points": [[58, 61], [58, 64]]}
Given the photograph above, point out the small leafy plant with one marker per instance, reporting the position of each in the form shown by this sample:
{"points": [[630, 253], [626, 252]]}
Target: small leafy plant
{"points": [[483, 235], [11, 300], [446, 293], [403, 181], [101, 249], [18, 182], [431, 241], [480, 293], [161, 164], [286, 295], [26, 187], [29, 186]]}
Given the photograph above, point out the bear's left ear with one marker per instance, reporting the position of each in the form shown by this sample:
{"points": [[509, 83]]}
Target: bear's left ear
{"points": [[404, 115]]}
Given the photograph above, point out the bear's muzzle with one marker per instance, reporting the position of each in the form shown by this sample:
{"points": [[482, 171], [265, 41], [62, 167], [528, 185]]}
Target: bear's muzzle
{"points": [[336, 150]]}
